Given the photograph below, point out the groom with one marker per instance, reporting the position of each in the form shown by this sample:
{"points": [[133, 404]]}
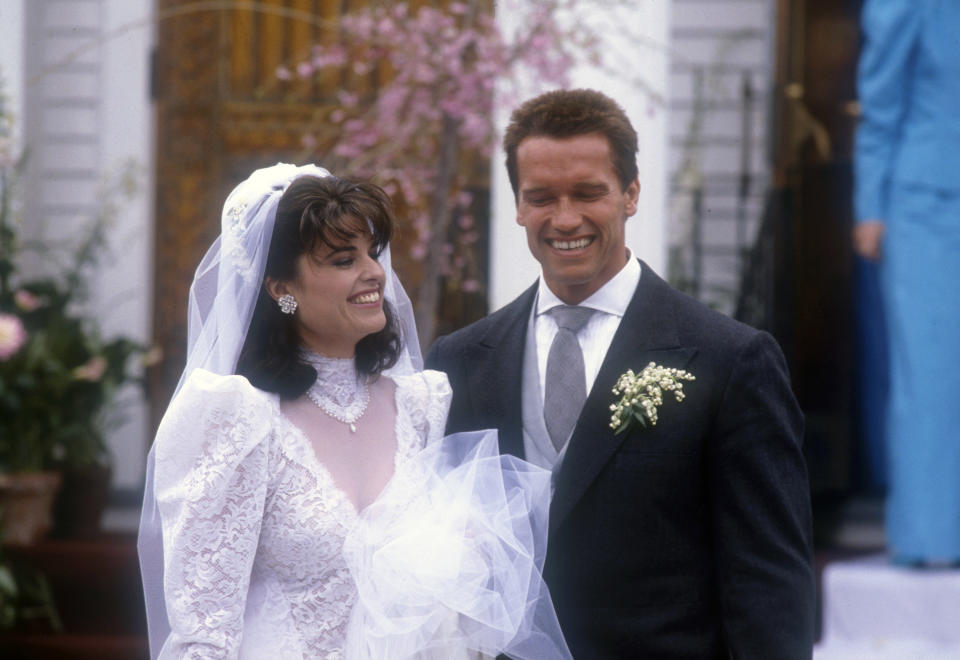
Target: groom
{"points": [[686, 539]]}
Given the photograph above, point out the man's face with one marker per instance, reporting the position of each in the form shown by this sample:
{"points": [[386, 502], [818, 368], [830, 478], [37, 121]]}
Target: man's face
{"points": [[571, 205]]}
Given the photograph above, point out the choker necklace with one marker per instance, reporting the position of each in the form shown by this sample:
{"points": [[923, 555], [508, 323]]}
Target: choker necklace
{"points": [[339, 391]]}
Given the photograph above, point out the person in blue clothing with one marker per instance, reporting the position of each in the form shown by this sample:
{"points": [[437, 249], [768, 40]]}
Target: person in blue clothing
{"points": [[907, 206]]}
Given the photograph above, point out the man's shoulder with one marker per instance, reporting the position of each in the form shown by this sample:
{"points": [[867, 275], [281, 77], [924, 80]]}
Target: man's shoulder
{"points": [[490, 325], [694, 321]]}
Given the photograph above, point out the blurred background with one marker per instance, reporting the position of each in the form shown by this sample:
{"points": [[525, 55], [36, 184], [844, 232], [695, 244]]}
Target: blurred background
{"points": [[127, 122]]}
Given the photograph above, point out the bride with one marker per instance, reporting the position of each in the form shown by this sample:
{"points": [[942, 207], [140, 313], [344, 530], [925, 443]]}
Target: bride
{"points": [[301, 500]]}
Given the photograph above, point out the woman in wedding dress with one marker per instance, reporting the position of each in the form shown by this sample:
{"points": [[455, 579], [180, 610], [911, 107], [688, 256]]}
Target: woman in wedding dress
{"points": [[301, 500]]}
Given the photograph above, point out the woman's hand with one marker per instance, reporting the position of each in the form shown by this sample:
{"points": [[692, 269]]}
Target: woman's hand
{"points": [[868, 239]]}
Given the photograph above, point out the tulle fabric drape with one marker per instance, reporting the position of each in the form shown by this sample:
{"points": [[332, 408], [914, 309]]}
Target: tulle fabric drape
{"points": [[448, 560]]}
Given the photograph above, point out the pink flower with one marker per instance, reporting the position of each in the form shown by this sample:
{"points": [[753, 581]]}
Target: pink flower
{"points": [[12, 335], [283, 73], [304, 69], [418, 251], [93, 370], [470, 286], [26, 300]]}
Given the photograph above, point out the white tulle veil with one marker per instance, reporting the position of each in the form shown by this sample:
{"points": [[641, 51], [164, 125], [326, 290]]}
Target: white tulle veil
{"points": [[222, 298]]}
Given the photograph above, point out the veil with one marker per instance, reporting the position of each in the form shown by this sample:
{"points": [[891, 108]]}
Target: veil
{"points": [[222, 298]]}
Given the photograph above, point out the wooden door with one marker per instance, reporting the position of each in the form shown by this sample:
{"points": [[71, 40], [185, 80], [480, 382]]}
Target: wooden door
{"points": [[818, 45]]}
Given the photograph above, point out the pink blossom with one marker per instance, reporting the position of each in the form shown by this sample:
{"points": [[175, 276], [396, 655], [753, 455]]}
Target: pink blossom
{"points": [[347, 99], [418, 251], [26, 301], [362, 68], [283, 73], [304, 69], [93, 370], [12, 335], [470, 286]]}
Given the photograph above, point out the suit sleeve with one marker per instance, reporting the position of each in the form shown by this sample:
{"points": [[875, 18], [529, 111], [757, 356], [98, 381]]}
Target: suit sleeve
{"points": [[891, 30], [761, 510]]}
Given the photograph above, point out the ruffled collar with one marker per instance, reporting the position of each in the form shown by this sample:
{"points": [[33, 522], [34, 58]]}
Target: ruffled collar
{"points": [[339, 390]]}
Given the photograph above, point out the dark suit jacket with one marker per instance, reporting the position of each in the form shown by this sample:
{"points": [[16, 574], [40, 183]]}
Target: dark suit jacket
{"points": [[690, 539]]}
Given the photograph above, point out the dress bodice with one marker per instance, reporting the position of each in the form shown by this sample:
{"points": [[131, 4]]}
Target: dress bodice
{"points": [[254, 524]]}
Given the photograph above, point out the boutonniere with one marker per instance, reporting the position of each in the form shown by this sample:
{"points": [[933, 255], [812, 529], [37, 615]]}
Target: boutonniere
{"points": [[640, 395]]}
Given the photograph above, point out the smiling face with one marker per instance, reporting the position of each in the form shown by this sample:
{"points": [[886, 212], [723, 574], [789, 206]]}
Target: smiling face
{"points": [[574, 211], [339, 294]]}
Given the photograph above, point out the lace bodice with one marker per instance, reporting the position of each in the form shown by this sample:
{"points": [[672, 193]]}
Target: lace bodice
{"points": [[253, 524]]}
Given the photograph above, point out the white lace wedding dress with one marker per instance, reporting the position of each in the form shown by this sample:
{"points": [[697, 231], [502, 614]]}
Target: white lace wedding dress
{"points": [[264, 557]]}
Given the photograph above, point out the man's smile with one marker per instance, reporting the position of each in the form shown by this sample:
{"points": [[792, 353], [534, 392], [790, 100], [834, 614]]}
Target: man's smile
{"points": [[570, 245]]}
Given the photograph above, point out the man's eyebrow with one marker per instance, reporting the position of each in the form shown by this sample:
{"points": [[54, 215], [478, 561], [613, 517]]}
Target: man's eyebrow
{"points": [[535, 191], [592, 187]]}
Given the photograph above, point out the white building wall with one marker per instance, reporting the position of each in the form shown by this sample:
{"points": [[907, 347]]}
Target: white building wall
{"points": [[721, 43], [11, 57]]}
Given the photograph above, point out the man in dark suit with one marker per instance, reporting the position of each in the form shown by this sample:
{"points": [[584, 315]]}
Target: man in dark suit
{"points": [[688, 538]]}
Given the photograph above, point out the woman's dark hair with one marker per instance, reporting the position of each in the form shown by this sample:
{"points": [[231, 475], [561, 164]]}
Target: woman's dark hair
{"points": [[315, 211]]}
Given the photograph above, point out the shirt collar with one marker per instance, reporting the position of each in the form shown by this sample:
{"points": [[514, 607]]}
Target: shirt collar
{"points": [[612, 298]]}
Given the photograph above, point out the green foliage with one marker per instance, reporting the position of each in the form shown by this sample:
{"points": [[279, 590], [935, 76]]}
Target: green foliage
{"points": [[57, 373], [25, 596]]}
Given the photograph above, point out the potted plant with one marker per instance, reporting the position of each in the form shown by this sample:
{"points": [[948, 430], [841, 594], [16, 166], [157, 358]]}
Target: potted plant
{"points": [[58, 375]]}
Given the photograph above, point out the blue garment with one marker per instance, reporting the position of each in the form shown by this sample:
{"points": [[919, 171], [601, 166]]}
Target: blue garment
{"points": [[907, 166]]}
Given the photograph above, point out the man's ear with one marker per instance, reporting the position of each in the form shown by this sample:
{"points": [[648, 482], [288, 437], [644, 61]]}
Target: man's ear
{"points": [[632, 194], [275, 288]]}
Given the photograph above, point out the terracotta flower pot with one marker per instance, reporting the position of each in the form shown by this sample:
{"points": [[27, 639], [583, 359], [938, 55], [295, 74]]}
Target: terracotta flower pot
{"points": [[26, 502]]}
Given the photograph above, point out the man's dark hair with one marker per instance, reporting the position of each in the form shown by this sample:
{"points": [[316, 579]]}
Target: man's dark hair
{"points": [[315, 211], [569, 113]]}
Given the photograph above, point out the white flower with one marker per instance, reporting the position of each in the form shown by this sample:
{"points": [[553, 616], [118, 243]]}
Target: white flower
{"points": [[641, 395]]}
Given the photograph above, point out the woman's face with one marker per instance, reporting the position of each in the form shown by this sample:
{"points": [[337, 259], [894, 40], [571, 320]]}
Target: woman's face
{"points": [[339, 294]]}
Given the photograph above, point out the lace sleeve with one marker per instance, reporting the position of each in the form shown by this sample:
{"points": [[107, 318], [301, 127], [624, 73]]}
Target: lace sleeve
{"points": [[427, 395], [211, 484]]}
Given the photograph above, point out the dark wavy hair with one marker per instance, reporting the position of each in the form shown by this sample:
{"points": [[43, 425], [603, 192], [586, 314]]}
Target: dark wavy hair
{"points": [[315, 211], [566, 113]]}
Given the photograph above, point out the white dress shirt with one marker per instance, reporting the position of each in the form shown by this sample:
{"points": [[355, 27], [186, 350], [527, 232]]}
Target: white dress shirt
{"points": [[610, 303]]}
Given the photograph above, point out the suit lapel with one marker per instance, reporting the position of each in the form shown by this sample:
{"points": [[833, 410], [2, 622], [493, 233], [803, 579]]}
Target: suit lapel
{"points": [[647, 333], [495, 363]]}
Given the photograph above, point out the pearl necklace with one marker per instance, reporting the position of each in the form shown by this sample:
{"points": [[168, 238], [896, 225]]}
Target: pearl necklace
{"points": [[338, 391]]}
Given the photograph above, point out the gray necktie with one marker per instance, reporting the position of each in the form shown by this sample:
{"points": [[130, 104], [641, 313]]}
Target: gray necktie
{"points": [[565, 389]]}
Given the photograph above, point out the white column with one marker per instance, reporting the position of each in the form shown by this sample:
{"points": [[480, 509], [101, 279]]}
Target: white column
{"points": [[11, 60], [634, 44], [124, 295]]}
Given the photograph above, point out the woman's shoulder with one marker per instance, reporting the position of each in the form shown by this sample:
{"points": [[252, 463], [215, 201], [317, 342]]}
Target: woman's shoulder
{"points": [[211, 405], [425, 396], [207, 388], [428, 384]]}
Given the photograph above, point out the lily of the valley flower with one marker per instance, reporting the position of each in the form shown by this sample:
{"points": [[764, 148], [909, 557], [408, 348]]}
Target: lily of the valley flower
{"points": [[640, 395]]}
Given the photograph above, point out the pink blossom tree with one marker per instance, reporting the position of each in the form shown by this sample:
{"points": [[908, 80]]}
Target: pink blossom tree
{"points": [[425, 126]]}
